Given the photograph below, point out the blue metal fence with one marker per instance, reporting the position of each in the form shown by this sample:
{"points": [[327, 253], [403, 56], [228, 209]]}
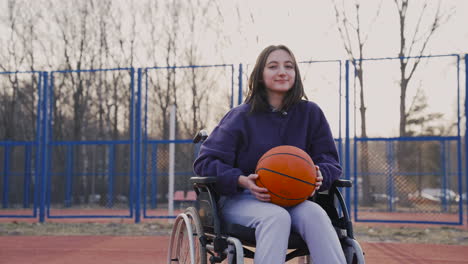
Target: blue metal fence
{"points": [[25, 174], [125, 175], [393, 184], [79, 158], [203, 93], [399, 187], [84, 174], [29, 180]]}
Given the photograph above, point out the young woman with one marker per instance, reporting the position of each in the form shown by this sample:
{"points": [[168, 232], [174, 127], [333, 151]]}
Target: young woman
{"points": [[276, 112]]}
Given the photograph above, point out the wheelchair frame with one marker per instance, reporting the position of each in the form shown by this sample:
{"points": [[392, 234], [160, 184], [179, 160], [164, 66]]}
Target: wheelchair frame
{"points": [[199, 232]]}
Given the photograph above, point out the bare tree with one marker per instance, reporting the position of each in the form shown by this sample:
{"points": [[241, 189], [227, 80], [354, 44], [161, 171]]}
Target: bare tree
{"points": [[11, 61], [200, 20], [413, 44], [419, 122], [354, 39], [19, 91], [165, 92], [78, 36], [75, 100], [414, 40]]}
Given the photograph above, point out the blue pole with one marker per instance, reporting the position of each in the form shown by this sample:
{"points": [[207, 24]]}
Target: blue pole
{"points": [[145, 144], [239, 99], [49, 136], [466, 145], [43, 144], [340, 145], [347, 146], [138, 151], [38, 145], [132, 140], [6, 175], [27, 175], [145, 176], [232, 86], [390, 189]]}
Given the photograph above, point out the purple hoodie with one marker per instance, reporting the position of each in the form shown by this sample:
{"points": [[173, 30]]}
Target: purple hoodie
{"points": [[241, 138]]}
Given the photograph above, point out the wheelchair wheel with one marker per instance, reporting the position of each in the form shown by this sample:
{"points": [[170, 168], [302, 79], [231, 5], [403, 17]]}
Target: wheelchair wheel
{"points": [[353, 252], [185, 246]]}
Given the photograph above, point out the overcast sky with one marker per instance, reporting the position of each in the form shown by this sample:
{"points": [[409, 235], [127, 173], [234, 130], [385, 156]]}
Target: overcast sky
{"points": [[308, 27]]}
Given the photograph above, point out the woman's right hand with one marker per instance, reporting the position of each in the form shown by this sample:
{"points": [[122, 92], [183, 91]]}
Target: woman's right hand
{"points": [[248, 182]]}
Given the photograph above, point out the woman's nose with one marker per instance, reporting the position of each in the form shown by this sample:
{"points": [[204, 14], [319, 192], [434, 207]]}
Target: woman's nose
{"points": [[282, 70]]}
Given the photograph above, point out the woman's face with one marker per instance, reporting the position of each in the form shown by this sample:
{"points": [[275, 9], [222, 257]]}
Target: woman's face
{"points": [[279, 73]]}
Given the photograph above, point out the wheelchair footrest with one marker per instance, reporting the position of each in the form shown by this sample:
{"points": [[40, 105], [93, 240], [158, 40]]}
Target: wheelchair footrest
{"points": [[220, 244]]}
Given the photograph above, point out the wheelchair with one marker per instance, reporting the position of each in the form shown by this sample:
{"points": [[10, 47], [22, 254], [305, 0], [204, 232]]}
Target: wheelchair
{"points": [[200, 237]]}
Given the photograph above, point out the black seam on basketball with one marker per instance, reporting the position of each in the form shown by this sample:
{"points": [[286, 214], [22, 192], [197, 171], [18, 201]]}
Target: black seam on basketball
{"points": [[282, 174], [281, 197], [285, 153]]}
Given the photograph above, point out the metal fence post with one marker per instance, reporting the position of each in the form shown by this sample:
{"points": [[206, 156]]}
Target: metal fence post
{"points": [[240, 85], [466, 132], [138, 142], [347, 144], [43, 148]]}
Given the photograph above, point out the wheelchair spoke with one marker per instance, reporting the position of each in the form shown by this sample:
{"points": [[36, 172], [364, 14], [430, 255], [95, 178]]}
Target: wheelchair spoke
{"points": [[197, 229], [187, 229], [183, 248]]}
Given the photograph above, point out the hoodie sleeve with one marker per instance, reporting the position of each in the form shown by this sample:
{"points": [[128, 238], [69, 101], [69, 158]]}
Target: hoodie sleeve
{"points": [[322, 148], [217, 155]]}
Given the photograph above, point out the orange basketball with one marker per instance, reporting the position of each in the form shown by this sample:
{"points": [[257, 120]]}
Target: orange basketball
{"points": [[288, 173]]}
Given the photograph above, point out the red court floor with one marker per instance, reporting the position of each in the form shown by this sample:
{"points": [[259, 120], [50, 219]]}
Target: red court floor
{"points": [[147, 249]]}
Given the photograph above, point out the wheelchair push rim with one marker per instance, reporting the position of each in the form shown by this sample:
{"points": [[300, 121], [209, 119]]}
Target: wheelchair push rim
{"points": [[184, 245]]}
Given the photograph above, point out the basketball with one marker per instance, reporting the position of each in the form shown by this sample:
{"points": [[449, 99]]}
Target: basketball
{"points": [[288, 173]]}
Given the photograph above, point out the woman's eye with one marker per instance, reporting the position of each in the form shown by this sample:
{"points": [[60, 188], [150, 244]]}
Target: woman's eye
{"points": [[289, 67]]}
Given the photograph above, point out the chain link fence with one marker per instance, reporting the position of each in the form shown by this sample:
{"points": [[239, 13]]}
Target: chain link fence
{"points": [[407, 158]]}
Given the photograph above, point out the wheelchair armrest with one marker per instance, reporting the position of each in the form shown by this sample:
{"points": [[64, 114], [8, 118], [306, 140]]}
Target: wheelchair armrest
{"points": [[342, 183], [334, 192], [200, 137], [207, 199], [202, 180]]}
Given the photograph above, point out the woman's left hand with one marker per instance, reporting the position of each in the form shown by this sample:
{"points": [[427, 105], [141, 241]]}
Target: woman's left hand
{"points": [[318, 181]]}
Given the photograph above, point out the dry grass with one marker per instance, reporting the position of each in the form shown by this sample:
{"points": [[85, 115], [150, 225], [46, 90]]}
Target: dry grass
{"points": [[364, 233], [405, 234], [93, 229]]}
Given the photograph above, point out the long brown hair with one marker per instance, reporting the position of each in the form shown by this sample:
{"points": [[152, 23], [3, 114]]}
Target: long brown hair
{"points": [[257, 96]]}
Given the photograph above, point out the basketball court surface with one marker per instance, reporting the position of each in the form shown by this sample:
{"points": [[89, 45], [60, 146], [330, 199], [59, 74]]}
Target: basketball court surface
{"points": [[152, 249]]}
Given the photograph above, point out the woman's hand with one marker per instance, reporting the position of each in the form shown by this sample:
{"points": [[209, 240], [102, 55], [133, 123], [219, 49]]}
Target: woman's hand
{"points": [[248, 182], [319, 180]]}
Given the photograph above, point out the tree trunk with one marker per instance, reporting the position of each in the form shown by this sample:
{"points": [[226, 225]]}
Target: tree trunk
{"points": [[364, 150]]}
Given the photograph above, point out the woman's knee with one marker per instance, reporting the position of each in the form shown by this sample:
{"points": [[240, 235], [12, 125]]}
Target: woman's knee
{"points": [[275, 225], [278, 216], [310, 210]]}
